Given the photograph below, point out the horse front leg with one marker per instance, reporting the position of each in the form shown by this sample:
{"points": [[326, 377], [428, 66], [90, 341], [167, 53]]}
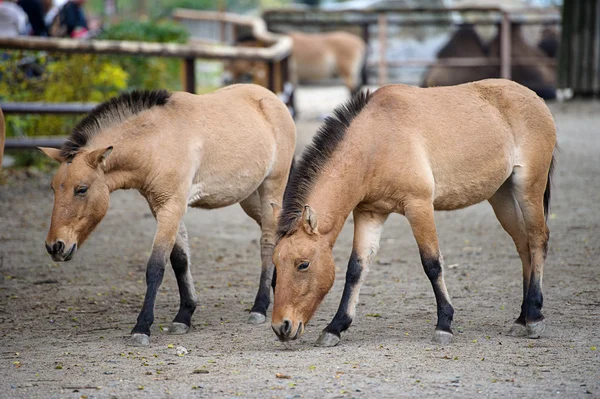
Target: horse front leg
{"points": [[367, 231], [420, 216], [167, 218], [180, 260]]}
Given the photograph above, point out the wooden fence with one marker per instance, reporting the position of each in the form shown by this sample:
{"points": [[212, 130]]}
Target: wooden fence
{"points": [[381, 19], [275, 54], [579, 67]]}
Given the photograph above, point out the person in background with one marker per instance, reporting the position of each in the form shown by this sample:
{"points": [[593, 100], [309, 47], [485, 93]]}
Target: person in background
{"points": [[35, 13], [13, 20], [70, 21]]}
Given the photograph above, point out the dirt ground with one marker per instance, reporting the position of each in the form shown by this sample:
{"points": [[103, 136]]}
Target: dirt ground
{"points": [[64, 327]]}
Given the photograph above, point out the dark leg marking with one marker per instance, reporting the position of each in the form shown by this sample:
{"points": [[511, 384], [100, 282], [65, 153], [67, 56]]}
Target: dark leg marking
{"points": [[187, 304], [445, 311], [155, 272], [342, 319]]}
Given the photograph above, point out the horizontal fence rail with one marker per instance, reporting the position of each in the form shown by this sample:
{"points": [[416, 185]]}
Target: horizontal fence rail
{"points": [[383, 18], [275, 52]]}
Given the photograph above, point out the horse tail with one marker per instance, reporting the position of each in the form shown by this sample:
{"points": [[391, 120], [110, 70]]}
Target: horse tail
{"points": [[547, 193]]}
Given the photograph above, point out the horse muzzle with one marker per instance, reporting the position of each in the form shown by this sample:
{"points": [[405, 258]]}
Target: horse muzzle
{"points": [[285, 331], [60, 252]]}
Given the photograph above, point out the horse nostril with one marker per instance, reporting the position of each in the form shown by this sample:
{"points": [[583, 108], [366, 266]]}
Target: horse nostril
{"points": [[286, 327], [48, 248], [58, 247]]}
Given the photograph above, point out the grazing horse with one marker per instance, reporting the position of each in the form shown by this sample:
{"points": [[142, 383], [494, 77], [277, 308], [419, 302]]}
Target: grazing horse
{"points": [[411, 151], [235, 145], [318, 56]]}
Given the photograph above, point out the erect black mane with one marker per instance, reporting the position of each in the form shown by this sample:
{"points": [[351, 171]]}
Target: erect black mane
{"points": [[116, 110], [314, 158]]}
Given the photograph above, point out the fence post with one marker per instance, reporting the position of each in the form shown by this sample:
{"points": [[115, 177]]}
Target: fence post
{"points": [[271, 76], [382, 26], [365, 36], [189, 75], [505, 44]]}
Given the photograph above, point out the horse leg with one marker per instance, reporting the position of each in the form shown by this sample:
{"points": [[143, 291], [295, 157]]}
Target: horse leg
{"points": [[252, 207], [420, 216], [530, 196], [367, 231], [270, 191], [180, 260], [167, 218], [510, 217]]}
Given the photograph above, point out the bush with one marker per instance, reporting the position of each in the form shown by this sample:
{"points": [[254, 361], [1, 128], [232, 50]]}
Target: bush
{"points": [[153, 72], [29, 76]]}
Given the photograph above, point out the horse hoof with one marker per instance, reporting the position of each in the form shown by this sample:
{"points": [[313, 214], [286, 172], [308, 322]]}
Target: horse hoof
{"points": [[178, 328], [517, 330], [442, 337], [327, 340], [535, 329], [140, 339], [256, 318]]}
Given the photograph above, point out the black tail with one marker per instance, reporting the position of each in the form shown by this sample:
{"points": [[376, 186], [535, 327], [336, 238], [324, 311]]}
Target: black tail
{"points": [[548, 188]]}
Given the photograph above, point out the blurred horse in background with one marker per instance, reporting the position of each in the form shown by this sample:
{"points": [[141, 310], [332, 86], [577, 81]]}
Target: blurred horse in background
{"points": [[466, 43], [315, 57]]}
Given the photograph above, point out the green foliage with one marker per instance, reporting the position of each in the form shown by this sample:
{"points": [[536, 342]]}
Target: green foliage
{"points": [[153, 72], [39, 76]]}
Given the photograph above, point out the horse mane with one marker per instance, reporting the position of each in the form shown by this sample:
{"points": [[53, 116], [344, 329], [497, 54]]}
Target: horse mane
{"points": [[116, 110], [314, 157]]}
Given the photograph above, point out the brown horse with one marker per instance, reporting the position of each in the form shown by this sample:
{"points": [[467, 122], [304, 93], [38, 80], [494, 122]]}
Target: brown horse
{"points": [[411, 151], [465, 43], [318, 56], [235, 145]]}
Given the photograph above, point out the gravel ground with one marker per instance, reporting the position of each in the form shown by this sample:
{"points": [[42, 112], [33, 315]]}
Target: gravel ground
{"points": [[64, 326]]}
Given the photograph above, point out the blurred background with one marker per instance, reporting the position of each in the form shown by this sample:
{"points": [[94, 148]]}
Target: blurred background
{"points": [[56, 63]]}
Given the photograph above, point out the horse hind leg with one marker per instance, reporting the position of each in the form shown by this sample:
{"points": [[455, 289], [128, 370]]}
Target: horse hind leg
{"points": [[180, 260], [506, 208], [252, 207], [529, 192]]}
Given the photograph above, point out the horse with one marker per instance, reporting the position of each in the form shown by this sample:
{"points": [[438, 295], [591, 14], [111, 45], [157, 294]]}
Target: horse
{"points": [[465, 43], [411, 151], [177, 149], [540, 78], [318, 56]]}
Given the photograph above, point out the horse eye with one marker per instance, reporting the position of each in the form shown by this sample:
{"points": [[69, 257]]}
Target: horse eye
{"points": [[81, 190], [303, 266]]}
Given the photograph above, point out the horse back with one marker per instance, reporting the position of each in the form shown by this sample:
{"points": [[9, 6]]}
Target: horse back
{"points": [[456, 144], [228, 142]]}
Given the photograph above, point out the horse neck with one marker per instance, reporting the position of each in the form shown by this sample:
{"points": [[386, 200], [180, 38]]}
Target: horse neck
{"points": [[334, 195], [126, 168]]}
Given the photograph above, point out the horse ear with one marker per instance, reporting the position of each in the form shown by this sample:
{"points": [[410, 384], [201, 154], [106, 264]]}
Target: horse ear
{"points": [[276, 210], [97, 157], [309, 220], [53, 153]]}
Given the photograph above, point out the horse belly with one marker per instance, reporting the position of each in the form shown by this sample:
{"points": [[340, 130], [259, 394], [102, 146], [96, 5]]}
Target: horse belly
{"points": [[217, 193], [473, 179], [230, 178]]}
